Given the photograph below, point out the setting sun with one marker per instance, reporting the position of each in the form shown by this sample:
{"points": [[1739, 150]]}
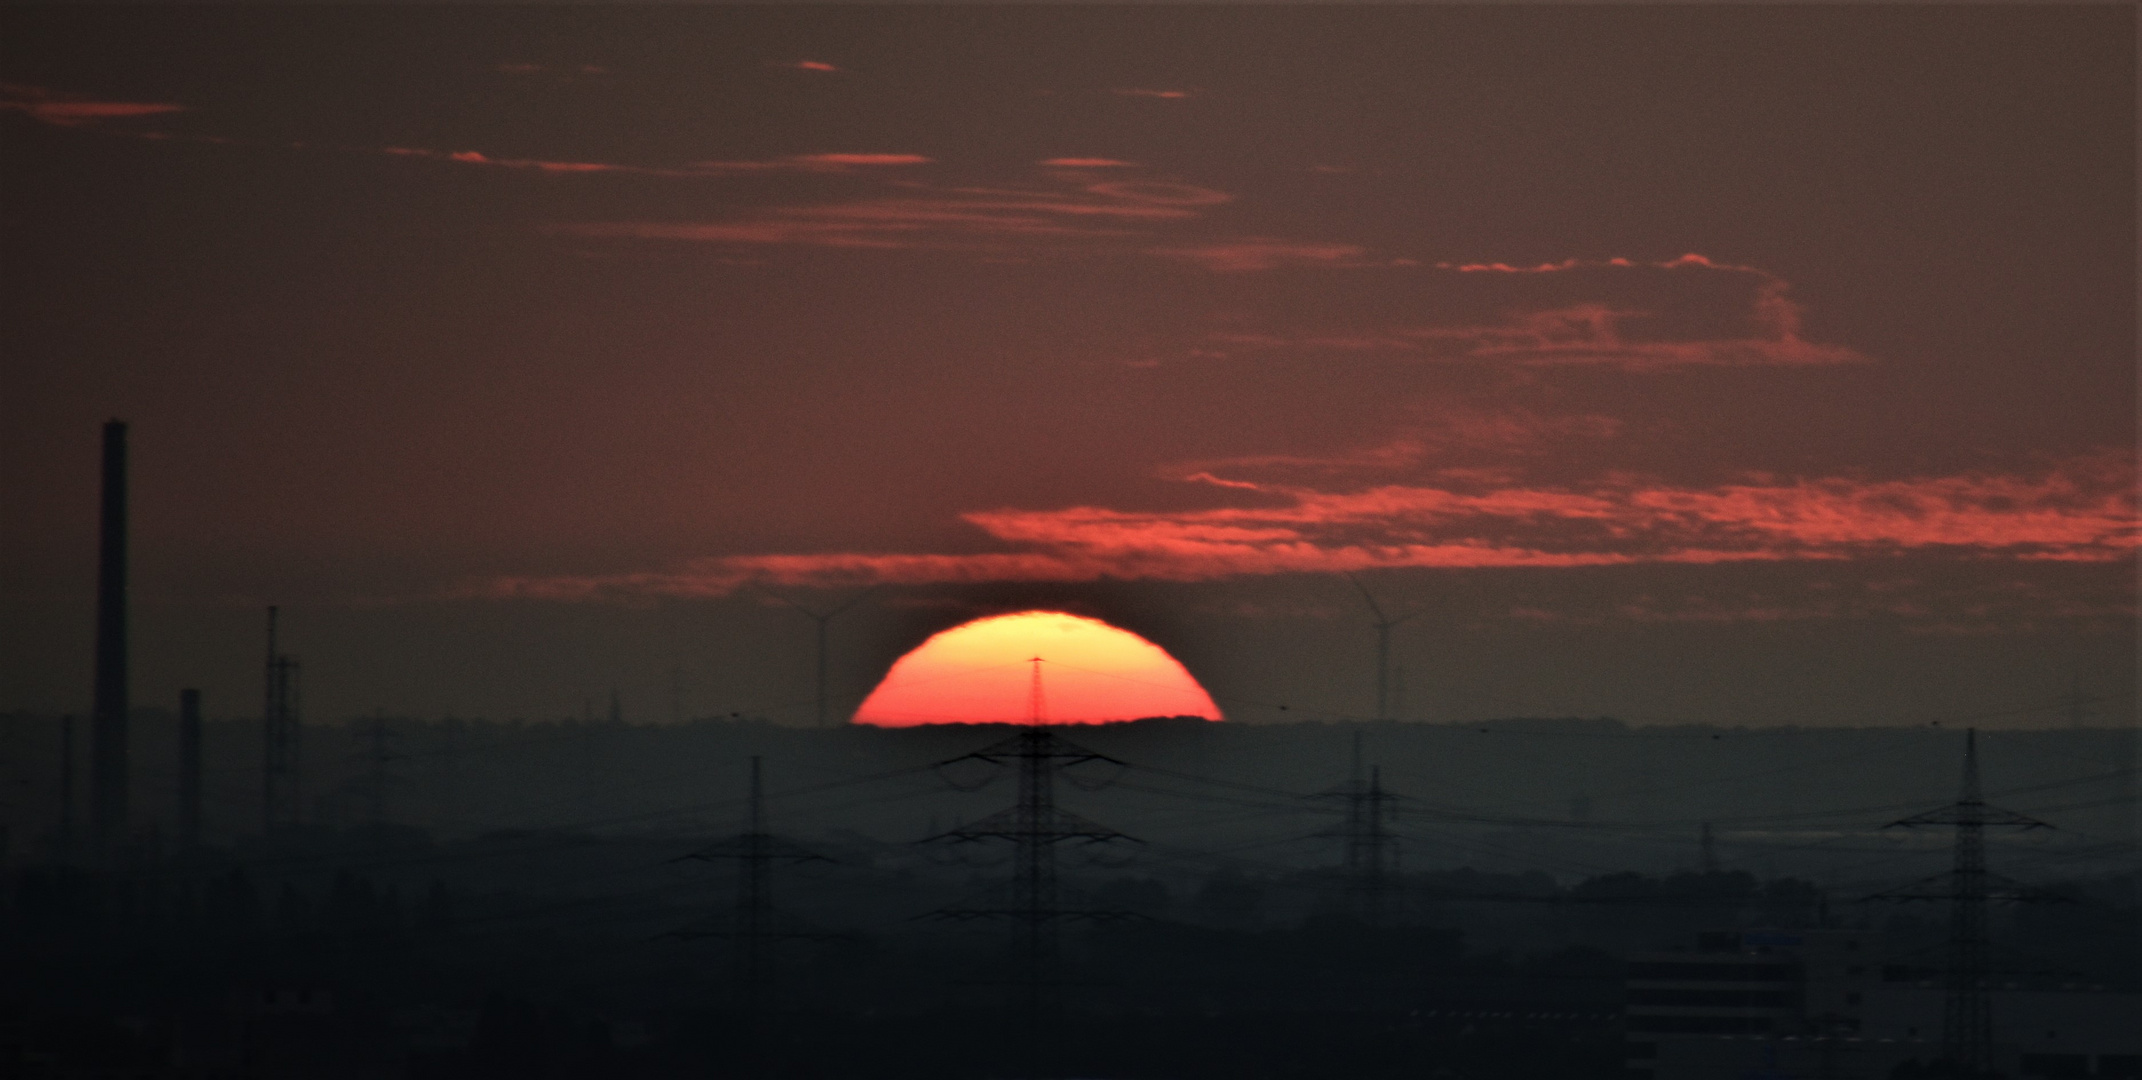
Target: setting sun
{"points": [[980, 672]]}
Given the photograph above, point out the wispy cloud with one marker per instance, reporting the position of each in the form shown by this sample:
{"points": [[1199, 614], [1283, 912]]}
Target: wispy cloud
{"points": [[1259, 253], [1765, 330], [1162, 95], [1449, 435], [2079, 511], [1072, 208], [1923, 606], [795, 163], [811, 163], [64, 109], [945, 217], [526, 68], [474, 157], [1596, 334], [810, 65]]}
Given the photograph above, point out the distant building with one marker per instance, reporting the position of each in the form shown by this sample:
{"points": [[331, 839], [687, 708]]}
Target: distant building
{"points": [[1782, 1005]]}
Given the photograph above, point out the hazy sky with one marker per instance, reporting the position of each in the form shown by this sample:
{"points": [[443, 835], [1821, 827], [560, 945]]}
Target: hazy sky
{"points": [[1762, 365]]}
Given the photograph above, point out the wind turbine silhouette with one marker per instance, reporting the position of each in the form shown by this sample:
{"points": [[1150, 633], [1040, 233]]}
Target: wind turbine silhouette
{"points": [[1384, 623], [822, 619]]}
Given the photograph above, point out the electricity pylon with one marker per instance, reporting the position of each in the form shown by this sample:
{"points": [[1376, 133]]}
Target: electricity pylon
{"points": [[1384, 623], [752, 925], [379, 755], [1967, 1017], [1370, 850], [1034, 825]]}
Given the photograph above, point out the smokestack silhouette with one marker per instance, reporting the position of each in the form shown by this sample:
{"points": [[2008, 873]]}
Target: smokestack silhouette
{"points": [[189, 779], [107, 759], [280, 798]]}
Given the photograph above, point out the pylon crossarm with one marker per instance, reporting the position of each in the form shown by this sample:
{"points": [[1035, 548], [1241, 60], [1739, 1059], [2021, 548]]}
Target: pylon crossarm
{"points": [[958, 836], [1994, 815], [1997, 887], [1979, 814], [1003, 753], [1007, 825], [1015, 749], [1071, 755], [966, 785], [1944, 816], [996, 826], [1107, 839], [1069, 826]]}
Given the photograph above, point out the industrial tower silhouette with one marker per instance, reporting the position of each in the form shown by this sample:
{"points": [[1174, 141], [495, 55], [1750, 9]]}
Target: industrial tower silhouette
{"points": [[1035, 825], [1967, 1016], [751, 928], [108, 774], [752, 925], [281, 796], [1369, 869]]}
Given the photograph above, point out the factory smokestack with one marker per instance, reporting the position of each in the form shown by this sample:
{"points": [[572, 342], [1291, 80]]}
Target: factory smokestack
{"points": [[189, 780], [107, 756], [279, 796]]}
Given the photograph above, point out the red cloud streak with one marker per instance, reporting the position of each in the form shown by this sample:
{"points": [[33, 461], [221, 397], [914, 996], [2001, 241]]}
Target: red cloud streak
{"points": [[1258, 253], [809, 163], [2083, 511], [1586, 332], [943, 217], [74, 110]]}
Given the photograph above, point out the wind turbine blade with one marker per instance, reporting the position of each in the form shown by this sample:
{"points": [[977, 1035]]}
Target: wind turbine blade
{"points": [[1373, 605], [858, 598]]}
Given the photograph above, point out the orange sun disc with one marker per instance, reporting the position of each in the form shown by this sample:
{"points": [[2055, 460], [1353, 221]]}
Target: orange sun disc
{"points": [[981, 673]]}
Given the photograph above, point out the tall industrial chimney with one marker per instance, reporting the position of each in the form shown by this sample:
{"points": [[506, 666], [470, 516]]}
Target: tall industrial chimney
{"points": [[189, 777], [107, 755], [280, 799]]}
